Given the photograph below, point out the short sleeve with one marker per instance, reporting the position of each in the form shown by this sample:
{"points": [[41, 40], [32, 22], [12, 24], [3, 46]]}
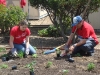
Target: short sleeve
{"points": [[28, 32], [12, 32]]}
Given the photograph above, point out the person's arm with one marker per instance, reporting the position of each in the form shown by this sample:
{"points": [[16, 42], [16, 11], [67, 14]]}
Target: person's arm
{"points": [[27, 42], [83, 41], [70, 39], [11, 41]]}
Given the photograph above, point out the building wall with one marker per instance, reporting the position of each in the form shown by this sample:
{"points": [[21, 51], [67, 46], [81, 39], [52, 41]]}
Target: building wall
{"points": [[33, 13], [94, 19]]}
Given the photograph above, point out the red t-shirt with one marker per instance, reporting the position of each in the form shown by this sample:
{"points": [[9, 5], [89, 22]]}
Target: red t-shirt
{"points": [[19, 36], [86, 31]]}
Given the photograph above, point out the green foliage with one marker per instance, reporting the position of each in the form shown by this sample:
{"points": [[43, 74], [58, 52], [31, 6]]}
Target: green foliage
{"points": [[2, 49], [31, 65], [10, 16], [34, 55], [49, 64], [3, 66], [20, 54], [65, 72], [78, 55], [51, 31], [61, 12], [90, 66], [58, 51]]}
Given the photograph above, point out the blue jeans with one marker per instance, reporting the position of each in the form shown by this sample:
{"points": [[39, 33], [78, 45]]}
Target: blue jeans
{"points": [[85, 48], [22, 47]]}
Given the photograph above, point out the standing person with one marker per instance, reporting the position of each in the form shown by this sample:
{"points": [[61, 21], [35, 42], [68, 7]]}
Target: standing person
{"points": [[19, 39], [87, 38]]}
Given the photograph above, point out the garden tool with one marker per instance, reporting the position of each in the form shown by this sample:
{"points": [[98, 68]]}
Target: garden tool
{"points": [[53, 50]]}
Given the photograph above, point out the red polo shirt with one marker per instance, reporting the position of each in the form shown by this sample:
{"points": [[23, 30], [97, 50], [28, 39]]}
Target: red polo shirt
{"points": [[86, 31], [19, 36]]}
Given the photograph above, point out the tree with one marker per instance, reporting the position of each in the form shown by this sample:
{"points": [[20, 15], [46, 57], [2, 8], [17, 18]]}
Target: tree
{"points": [[61, 12]]}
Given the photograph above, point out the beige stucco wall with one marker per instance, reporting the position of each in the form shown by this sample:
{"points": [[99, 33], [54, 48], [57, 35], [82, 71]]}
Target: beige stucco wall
{"points": [[31, 11], [94, 19]]}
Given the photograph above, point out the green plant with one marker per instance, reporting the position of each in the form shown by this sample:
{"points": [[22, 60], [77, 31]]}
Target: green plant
{"points": [[35, 48], [31, 66], [90, 66], [2, 49], [34, 55], [20, 54], [51, 31], [49, 63], [58, 51], [3, 66], [78, 55], [65, 72], [10, 16]]}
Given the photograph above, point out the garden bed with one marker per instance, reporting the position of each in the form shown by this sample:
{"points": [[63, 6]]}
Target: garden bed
{"points": [[79, 67]]}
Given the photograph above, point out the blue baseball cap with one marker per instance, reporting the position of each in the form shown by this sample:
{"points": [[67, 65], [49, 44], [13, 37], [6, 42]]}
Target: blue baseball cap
{"points": [[76, 20]]}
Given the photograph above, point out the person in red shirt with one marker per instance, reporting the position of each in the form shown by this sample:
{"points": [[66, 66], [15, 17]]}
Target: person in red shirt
{"points": [[87, 39], [19, 39]]}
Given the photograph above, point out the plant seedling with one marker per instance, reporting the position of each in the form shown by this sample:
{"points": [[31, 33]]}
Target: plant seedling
{"points": [[20, 54], [34, 55], [65, 72], [58, 52], [49, 63], [90, 66], [78, 55], [31, 67], [2, 49], [3, 66]]}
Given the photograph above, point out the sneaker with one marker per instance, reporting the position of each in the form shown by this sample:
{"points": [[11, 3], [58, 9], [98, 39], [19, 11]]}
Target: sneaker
{"points": [[69, 58]]}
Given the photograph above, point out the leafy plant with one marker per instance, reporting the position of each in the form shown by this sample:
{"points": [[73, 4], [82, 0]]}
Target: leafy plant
{"points": [[58, 51], [90, 66], [49, 63], [3, 66], [65, 72], [31, 66], [51, 31], [78, 55], [10, 16], [2, 49], [34, 55], [20, 54]]}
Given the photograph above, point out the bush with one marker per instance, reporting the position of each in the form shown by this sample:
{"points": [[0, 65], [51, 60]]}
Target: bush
{"points": [[51, 31], [10, 16]]}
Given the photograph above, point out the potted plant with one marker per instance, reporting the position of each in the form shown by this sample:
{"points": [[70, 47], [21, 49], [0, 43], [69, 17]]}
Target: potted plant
{"points": [[58, 52], [31, 67]]}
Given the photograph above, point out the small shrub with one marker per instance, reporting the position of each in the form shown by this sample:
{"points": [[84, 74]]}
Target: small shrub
{"points": [[34, 55], [51, 31], [49, 63], [3, 66], [31, 66], [20, 54], [65, 72], [90, 66]]}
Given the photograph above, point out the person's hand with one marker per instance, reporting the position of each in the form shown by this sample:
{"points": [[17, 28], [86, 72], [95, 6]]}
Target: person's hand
{"points": [[71, 48], [14, 51], [27, 51]]}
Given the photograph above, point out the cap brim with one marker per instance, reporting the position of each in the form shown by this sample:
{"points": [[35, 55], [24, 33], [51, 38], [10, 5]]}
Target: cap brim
{"points": [[74, 24]]}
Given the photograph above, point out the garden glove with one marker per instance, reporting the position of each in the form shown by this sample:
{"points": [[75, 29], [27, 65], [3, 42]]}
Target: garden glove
{"points": [[27, 51], [14, 51]]}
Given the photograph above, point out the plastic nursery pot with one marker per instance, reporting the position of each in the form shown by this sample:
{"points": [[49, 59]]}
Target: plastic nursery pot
{"points": [[32, 73], [58, 55], [5, 59], [14, 67]]}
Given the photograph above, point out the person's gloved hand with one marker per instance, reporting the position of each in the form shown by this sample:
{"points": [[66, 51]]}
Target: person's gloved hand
{"points": [[14, 51], [66, 48], [27, 51]]}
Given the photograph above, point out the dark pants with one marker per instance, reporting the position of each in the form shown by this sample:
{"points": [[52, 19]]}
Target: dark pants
{"points": [[85, 48]]}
